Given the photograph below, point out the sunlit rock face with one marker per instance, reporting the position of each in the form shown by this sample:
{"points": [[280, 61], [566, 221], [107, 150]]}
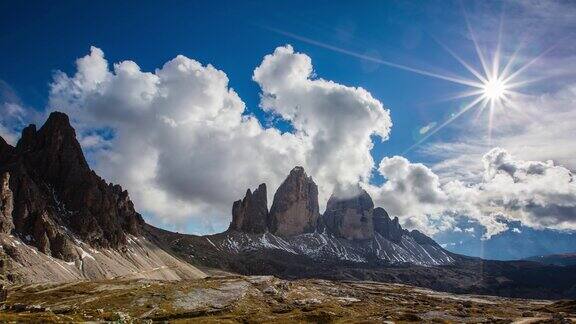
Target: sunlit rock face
{"points": [[249, 214], [351, 217], [295, 208], [6, 204]]}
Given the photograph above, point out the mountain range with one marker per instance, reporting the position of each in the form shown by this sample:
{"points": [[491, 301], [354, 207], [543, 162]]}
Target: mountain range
{"points": [[59, 221]]}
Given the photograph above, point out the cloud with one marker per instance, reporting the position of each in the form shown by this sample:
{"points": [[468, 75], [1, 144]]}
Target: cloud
{"points": [[412, 192], [10, 121], [14, 116], [180, 140], [337, 120], [533, 130], [538, 194]]}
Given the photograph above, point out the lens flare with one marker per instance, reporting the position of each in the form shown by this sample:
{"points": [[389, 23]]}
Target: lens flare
{"points": [[494, 89]]}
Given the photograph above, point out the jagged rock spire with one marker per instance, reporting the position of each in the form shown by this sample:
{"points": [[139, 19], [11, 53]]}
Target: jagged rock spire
{"points": [[54, 152], [388, 228], [295, 207], [249, 214], [350, 217], [54, 187]]}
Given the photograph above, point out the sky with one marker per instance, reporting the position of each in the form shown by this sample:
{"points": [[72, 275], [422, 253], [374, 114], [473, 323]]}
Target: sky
{"points": [[459, 117]]}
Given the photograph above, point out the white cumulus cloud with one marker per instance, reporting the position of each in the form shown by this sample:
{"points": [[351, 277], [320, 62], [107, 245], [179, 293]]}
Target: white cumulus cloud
{"points": [[539, 194], [179, 139]]}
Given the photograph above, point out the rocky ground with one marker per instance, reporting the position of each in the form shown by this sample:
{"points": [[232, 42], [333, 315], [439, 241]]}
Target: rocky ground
{"points": [[256, 299]]}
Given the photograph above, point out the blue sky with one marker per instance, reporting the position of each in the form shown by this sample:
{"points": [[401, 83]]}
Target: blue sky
{"points": [[350, 44], [234, 37]]}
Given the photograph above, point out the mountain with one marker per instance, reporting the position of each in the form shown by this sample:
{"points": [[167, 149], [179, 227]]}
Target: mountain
{"points": [[564, 259], [351, 229], [59, 221], [352, 240]]}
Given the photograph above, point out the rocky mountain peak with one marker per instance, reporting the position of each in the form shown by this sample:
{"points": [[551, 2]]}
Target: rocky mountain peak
{"points": [[250, 214], [54, 188], [422, 238], [50, 199], [390, 229], [53, 151], [295, 207], [351, 216]]}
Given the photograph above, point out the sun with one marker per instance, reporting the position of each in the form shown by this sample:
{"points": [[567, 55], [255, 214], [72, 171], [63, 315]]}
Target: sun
{"points": [[494, 89]]}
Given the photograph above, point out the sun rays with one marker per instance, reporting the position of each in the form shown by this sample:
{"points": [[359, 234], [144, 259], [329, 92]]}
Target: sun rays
{"points": [[489, 90]]}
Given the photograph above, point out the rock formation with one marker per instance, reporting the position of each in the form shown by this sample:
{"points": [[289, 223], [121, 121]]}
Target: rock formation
{"points": [[250, 214], [295, 207], [6, 204], [351, 230], [351, 217], [383, 225], [55, 187], [50, 199], [421, 238]]}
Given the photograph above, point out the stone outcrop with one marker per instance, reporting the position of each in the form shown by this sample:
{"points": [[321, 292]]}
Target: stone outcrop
{"points": [[421, 238], [6, 204], [295, 207], [351, 217], [54, 191], [388, 228], [250, 214]]}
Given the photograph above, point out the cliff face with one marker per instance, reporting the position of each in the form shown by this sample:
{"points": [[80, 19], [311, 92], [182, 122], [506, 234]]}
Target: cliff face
{"points": [[295, 208], [54, 187], [389, 228], [6, 204], [351, 217], [351, 230], [249, 214]]}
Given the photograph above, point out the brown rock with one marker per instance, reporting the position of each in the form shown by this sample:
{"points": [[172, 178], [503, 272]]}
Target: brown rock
{"points": [[350, 217], [250, 214], [3, 293], [295, 208], [6, 204]]}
